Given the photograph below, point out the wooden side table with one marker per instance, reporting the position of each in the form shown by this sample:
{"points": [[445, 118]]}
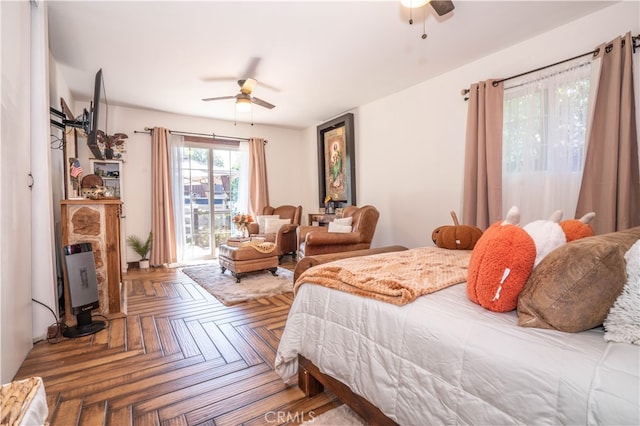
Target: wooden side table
{"points": [[323, 219]]}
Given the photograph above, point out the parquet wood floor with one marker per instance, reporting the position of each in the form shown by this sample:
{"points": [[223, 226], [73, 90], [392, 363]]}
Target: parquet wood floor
{"points": [[179, 357]]}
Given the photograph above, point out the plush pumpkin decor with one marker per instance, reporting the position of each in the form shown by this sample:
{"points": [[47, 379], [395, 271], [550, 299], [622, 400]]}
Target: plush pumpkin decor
{"points": [[500, 264], [574, 229], [456, 236]]}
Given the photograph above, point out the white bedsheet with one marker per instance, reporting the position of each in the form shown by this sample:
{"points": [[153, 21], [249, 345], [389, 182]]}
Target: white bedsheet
{"points": [[444, 360]]}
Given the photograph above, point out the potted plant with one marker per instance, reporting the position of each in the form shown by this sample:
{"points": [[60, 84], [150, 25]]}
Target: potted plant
{"points": [[110, 142], [141, 247]]}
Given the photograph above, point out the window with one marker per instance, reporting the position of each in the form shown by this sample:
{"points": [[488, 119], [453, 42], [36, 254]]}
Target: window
{"points": [[211, 175], [544, 140]]}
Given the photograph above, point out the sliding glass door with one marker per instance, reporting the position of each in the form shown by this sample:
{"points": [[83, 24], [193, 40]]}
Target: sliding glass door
{"points": [[211, 176]]}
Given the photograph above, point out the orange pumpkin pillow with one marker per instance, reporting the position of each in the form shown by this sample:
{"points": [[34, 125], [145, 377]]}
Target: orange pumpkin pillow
{"points": [[500, 264], [456, 236], [574, 229]]}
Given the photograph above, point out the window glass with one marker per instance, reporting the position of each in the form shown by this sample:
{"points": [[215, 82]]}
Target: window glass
{"points": [[544, 140]]}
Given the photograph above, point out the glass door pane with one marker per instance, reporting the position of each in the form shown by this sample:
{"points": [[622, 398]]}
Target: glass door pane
{"points": [[224, 177], [197, 203], [211, 181]]}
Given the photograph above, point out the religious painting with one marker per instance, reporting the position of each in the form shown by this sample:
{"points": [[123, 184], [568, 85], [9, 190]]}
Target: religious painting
{"points": [[336, 162]]}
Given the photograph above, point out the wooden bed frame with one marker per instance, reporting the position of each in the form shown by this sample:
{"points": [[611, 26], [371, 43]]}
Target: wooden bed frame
{"points": [[312, 382], [310, 379]]}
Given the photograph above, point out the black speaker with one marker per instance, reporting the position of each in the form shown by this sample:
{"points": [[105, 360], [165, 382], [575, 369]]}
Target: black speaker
{"points": [[83, 289]]}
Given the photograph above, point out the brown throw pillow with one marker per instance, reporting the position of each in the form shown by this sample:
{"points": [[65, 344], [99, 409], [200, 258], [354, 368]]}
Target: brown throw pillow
{"points": [[574, 287]]}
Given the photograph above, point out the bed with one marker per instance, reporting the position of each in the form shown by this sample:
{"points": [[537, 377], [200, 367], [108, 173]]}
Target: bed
{"points": [[441, 359]]}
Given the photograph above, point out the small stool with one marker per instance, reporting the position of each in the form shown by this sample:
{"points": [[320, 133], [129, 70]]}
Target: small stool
{"points": [[244, 259]]}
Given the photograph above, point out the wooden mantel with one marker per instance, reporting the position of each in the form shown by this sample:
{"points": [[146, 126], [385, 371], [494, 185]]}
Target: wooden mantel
{"points": [[96, 222]]}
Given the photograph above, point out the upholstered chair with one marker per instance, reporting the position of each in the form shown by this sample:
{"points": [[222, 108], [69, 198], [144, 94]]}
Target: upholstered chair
{"points": [[314, 240], [282, 234]]}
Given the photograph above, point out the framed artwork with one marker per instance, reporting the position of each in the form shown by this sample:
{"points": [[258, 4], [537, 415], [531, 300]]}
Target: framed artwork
{"points": [[337, 162]]}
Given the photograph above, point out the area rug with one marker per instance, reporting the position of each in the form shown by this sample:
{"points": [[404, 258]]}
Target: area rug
{"points": [[254, 285], [340, 416]]}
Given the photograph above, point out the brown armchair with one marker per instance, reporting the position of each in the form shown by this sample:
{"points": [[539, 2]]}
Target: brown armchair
{"points": [[314, 240], [286, 238]]}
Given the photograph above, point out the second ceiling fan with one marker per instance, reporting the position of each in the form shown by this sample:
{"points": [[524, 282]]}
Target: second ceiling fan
{"points": [[442, 7], [244, 98]]}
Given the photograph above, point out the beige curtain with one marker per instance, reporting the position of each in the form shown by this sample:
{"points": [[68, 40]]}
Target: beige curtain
{"points": [[258, 188], [482, 203], [611, 180], [162, 221]]}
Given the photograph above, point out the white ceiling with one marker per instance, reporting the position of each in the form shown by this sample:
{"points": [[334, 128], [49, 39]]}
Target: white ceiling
{"points": [[313, 59]]}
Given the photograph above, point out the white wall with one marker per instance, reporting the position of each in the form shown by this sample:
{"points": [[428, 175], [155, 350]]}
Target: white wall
{"points": [[58, 88], [289, 179], [410, 145], [42, 225]]}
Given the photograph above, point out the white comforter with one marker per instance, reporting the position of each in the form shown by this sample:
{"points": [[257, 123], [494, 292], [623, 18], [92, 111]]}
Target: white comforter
{"points": [[444, 360]]}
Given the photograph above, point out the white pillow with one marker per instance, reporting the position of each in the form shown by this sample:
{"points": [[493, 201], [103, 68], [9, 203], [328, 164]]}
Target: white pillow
{"points": [[622, 323], [344, 221], [272, 226], [337, 227], [261, 218]]}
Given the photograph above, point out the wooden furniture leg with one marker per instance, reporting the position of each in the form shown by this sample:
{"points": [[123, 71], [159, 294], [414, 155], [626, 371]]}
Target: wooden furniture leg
{"points": [[312, 382]]}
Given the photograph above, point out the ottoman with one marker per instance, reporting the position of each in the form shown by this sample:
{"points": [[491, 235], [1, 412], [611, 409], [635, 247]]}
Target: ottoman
{"points": [[243, 259]]}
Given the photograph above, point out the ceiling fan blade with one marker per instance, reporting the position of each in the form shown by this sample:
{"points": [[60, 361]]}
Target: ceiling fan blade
{"points": [[218, 98], [268, 86], [262, 103], [251, 68], [442, 7], [216, 79], [262, 84], [247, 86]]}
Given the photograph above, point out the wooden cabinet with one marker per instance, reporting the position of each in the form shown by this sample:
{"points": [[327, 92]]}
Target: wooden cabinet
{"points": [[97, 222]]}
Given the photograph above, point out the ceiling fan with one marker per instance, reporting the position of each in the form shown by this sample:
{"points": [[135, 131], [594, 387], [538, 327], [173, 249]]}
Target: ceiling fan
{"points": [[442, 7], [244, 98]]}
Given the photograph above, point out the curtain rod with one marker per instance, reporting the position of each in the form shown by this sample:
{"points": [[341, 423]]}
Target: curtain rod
{"points": [[636, 44], [212, 135]]}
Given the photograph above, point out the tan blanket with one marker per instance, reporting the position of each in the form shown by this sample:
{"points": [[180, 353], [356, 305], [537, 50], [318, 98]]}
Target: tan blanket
{"points": [[259, 245], [262, 246], [398, 277]]}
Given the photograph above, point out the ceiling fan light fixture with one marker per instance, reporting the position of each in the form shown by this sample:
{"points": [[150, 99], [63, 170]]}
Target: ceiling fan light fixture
{"points": [[413, 4], [243, 104]]}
